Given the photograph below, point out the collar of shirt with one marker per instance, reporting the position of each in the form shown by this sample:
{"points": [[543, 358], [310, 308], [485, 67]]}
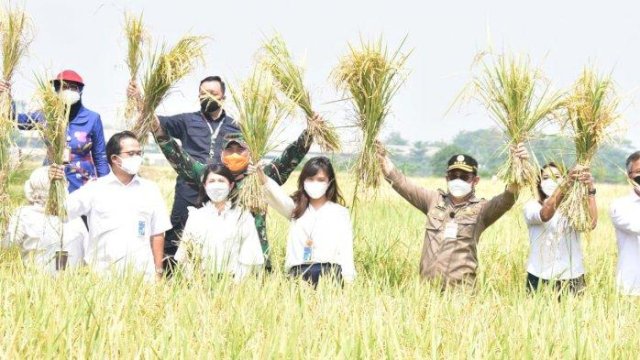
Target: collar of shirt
{"points": [[112, 178], [211, 207]]}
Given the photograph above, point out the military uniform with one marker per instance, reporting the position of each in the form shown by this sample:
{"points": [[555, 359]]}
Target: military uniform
{"points": [[450, 251], [279, 170]]}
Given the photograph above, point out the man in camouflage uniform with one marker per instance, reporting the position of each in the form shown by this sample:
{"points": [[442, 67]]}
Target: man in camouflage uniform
{"points": [[455, 218], [279, 169]]}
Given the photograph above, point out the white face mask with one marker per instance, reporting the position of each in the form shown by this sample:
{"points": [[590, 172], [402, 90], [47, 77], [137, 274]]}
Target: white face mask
{"points": [[548, 186], [459, 188], [217, 191], [131, 165], [70, 97], [315, 189]]}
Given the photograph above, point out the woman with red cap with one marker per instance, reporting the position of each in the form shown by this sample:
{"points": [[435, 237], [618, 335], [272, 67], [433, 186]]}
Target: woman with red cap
{"points": [[87, 157]]}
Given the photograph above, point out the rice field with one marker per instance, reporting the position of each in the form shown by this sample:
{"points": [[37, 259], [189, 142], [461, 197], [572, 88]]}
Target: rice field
{"points": [[387, 313]]}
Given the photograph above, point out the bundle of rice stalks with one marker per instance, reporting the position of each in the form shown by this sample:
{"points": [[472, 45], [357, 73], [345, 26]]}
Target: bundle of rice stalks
{"points": [[289, 79], [136, 37], [14, 41], [520, 101], [371, 75], [54, 135], [591, 110], [259, 113], [166, 68]]}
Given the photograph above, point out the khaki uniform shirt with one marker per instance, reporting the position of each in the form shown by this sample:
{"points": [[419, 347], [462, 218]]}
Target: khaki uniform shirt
{"points": [[452, 231]]}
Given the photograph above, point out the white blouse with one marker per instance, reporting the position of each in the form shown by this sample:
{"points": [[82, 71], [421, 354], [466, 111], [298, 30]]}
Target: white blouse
{"points": [[329, 228], [555, 247], [38, 236], [226, 242]]}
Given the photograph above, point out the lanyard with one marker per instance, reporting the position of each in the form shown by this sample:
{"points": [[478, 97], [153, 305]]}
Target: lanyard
{"points": [[214, 135]]}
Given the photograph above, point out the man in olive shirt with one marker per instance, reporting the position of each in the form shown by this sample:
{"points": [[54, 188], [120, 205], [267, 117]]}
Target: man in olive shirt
{"points": [[455, 218]]}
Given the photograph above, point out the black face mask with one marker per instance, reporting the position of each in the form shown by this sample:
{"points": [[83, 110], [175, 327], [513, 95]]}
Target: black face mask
{"points": [[208, 106], [637, 179]]}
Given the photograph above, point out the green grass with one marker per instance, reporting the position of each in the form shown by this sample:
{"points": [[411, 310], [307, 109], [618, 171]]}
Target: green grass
{"points": [[387, 313]]}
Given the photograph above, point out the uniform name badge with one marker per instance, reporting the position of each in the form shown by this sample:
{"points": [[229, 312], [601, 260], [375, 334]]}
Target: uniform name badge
{"points": [[308, 251], [451, 230], [142, 226]]}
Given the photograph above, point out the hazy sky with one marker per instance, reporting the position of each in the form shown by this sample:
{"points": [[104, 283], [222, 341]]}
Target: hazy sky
{"points": [[563, 36]]}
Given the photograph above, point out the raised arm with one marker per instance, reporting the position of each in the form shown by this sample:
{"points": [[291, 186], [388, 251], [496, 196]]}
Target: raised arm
{"points": [[281, 168], [278, 199], [416, 195]]}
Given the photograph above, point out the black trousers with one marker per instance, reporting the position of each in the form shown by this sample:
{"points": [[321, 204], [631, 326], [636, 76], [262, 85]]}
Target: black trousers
{"points": [[312, 273], [574, 286]]}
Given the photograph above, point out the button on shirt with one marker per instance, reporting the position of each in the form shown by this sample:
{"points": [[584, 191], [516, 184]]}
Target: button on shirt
{"points": [[329, 228], [625, 215], [555, 247], [121, 218], [38, 236], [226, 242]]}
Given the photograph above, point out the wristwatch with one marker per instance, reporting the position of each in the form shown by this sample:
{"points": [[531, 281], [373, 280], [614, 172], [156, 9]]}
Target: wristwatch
{"points": [[592, 192]]}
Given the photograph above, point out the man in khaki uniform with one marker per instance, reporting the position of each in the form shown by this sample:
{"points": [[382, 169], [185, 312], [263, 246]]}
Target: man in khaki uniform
{"points": [[455, 218]]}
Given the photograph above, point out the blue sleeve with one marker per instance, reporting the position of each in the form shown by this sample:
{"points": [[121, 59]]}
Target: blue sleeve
{"points": [[99, 149], [28, 121], [173, 125]]}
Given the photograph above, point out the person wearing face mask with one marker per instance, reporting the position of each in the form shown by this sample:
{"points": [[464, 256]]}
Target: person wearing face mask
{"points": [[320, 241], [126, 213], [201, 134], [625, 215], [556, 257], [85, 155], [38, 235], [237, 158], [220, 235], [455, 218]]}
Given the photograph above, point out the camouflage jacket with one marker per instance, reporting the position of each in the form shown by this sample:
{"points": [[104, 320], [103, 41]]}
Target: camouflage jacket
{"points": [[279, 170]]}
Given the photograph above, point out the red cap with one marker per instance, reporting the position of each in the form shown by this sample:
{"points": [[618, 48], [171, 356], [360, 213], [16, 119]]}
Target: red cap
{"points": [[69, 75]]}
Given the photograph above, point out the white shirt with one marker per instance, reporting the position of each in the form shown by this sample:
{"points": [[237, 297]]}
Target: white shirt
{"points": [[329, 227], [625, 215], [225, 242], [555, 252], [38, 236], [122, 219]]}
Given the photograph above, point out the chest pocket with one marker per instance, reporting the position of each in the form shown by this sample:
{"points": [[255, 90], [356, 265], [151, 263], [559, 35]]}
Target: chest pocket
{"points": [[435, 221], [468, 221]]}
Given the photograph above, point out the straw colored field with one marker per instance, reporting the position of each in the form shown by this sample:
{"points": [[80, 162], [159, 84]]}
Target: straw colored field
{"points": [[389, 312]]}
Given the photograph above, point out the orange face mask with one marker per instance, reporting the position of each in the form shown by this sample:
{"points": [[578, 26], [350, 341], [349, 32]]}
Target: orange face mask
{"points": [[235, 162]]}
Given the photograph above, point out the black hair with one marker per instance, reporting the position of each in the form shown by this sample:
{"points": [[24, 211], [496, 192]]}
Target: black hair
{"points": [[631, 159], [113, 145], [223, 86], [311, 168], [218, 170]]}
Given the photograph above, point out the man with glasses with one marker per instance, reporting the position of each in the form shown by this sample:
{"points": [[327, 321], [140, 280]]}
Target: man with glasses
{"points": [[455, 218], [625, 215], [85, 154], [126, 213]]}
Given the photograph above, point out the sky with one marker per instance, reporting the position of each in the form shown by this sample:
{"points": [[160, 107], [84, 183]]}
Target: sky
{"points": [[443, 37]]}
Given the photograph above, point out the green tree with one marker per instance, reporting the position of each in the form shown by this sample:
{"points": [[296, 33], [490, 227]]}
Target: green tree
{"points": [[439, 160]]}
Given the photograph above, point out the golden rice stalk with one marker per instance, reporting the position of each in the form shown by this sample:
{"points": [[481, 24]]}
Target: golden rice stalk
{"points": [[591, 110], [136, 36], [166, 68], [54, 135], [259, 113], [289, 78], [520, 101], [15, 37], [371, 75]]}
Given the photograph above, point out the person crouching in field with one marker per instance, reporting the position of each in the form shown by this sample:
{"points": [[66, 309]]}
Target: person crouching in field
{"points": [[320, 241], [455, 218], [38, 235], [556, 256], [625, 215], [220, 237], [126, 214]]}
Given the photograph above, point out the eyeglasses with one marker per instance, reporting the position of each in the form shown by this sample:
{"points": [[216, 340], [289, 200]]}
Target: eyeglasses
{"points": [[132, 153], [464, 176]]}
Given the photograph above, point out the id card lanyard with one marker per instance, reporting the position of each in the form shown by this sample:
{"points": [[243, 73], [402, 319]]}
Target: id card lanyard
{"points": [[307, 253], [214, 135]]}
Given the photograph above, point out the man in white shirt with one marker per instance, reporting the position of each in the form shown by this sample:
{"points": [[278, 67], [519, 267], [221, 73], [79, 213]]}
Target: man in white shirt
{"points": [[126, 215], [626, 219]]}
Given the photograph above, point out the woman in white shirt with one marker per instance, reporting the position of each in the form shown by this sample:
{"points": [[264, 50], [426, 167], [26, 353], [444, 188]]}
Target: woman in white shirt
{"points": [[38, 235], [220, 238], [320, 241], [556, 257]]}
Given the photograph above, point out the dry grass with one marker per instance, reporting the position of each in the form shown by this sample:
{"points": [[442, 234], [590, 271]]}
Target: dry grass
{"points": [[136, 37]]}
